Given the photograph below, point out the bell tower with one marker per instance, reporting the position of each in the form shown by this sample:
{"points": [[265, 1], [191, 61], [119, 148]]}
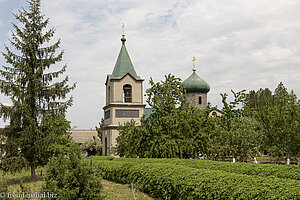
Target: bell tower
{"points": [[124, 98]]}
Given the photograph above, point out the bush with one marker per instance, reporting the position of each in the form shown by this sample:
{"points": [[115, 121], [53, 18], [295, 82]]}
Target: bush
{"points": [[264, 170], [171, 180], [101, 158], [92, 147], [70, 178]]}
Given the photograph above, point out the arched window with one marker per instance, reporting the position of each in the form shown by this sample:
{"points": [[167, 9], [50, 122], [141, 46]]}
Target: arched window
{"points": [[200, 100], [127, 93]]}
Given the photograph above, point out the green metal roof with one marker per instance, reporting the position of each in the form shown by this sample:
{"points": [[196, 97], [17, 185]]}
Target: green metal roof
{"points": [[195, 84], [123, 65], [148, 112], [215, 108]]}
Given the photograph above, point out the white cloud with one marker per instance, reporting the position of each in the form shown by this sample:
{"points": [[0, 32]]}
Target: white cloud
{"points": [[238, 44]]}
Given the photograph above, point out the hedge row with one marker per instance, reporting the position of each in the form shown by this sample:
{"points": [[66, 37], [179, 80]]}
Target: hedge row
{"points": [[264, 170], [170, 181]]}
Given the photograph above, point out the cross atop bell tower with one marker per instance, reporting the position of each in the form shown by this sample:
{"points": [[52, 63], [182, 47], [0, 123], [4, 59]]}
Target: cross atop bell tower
{"points": [[123, 29]]}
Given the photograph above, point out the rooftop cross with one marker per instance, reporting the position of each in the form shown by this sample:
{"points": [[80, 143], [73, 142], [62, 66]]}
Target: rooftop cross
{"points": [[123, 27], [194, 69]]}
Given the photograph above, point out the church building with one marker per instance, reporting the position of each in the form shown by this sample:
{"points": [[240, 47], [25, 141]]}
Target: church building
{"points": [[124, 97]]}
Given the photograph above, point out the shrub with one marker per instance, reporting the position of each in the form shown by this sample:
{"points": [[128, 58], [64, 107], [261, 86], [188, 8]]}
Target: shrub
{"points": [[264, 170], [175, 181], [92, 147], [70, 178]]}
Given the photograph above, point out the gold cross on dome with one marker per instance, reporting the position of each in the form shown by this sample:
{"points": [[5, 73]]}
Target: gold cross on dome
{"points": [[194, 69], [123, 27]]}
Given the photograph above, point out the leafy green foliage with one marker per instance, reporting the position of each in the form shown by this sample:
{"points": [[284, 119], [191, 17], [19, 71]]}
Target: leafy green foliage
{"points": [[190, 179], [93, 147], [250, 125], [233, 133], [131, 140], [279, 115], [264, 170], [100, 129], [164, 97], [30, 85], [68, 176], [171, 131]]}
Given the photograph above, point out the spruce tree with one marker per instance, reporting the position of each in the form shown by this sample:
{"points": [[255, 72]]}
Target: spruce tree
{"points": [[34, 90]]}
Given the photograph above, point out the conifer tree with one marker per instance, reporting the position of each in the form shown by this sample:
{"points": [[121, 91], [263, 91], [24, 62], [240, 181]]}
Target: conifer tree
{"points": [[35, 94]]}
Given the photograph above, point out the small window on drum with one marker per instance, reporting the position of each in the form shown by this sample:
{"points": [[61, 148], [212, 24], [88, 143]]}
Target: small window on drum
{"points": [[200, 100], [127, 93]]}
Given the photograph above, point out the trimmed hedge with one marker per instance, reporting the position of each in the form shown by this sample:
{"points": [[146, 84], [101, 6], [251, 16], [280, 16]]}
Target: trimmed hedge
{"points": [[173, 181], [264, 170]]}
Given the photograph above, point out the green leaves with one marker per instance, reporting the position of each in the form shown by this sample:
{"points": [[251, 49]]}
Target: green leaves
{"points": [[34, 94], [166, 96], [68, 177], [171, 131], [279, 115], [92, 147], [234, 134], [254, 123], [200, 179]]}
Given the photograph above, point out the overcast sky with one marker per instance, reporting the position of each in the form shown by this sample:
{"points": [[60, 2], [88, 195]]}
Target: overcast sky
{"points": [[238, 44]]}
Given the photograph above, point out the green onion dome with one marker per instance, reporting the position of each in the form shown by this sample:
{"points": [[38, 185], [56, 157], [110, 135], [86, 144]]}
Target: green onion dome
{"points": [[195, 84]]}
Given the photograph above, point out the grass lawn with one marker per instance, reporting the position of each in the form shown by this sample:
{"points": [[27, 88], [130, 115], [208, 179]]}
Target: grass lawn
{"points": [[122, 191], [111, 190]]}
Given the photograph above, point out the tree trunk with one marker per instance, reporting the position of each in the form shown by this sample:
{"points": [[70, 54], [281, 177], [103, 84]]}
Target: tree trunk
{"points": [[33, 177], [288, 159]]}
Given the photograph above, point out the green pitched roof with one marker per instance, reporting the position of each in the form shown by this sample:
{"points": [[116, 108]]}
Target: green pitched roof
{"points": [[123, 65], [195, 84], [148, 112]]}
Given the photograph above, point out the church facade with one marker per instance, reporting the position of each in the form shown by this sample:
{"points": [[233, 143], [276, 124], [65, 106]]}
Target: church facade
{"points": [[124, 97]]}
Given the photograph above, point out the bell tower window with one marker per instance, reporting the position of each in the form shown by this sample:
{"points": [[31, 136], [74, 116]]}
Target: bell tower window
{"points": [[200, 100], [127, 93]]}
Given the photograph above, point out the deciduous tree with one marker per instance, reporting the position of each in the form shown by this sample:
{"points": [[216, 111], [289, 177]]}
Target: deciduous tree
{"points": [[279, 114], [171, 131], [234, 134]]}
